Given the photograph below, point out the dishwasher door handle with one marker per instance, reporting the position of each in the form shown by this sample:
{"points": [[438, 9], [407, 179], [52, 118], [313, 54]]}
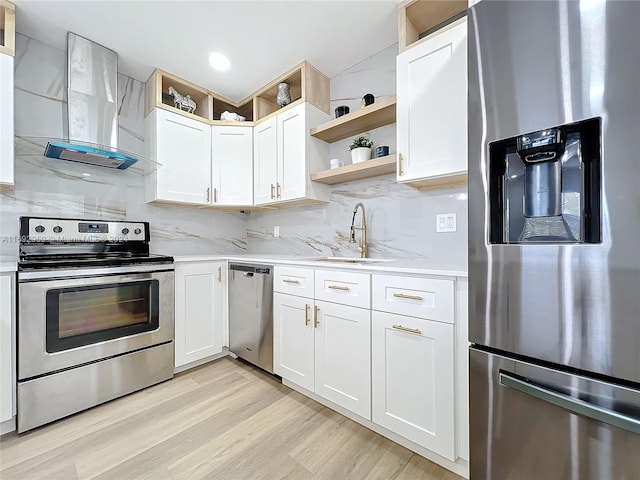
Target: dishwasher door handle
{"points": [[247, 274]]}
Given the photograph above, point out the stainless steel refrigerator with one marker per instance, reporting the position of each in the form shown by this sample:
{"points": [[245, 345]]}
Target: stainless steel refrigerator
{"points": [[554, 239]]}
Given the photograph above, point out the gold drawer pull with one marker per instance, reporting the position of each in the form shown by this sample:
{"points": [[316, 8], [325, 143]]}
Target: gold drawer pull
{"points": [[338, 287], [407, 329], [286, 280], [410, 297], [306, 314], [316, 321]]}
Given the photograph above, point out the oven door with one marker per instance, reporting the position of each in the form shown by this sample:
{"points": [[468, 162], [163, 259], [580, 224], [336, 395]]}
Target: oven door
{"points": [[67, 322]]}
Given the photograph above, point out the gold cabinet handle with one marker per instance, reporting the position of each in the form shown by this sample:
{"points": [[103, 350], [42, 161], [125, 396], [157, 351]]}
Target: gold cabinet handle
{"points": [[278, 189], [306, 314], [219, 274], [407, 329], [399, 164], [273, 191], [208, 190], [286, 280], [338, 287], [410, 297], [316, 321], [215, 195]]}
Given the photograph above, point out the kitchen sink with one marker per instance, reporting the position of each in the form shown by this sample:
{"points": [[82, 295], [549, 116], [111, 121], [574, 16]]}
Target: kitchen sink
{"points": [[350, 260]]}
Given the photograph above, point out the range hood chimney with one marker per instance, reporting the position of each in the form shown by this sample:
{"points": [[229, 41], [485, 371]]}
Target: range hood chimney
{"points": [[92, 107]]}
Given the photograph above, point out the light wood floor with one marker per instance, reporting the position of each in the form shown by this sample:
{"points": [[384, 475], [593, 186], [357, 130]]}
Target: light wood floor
{"points": [[224, 420]]}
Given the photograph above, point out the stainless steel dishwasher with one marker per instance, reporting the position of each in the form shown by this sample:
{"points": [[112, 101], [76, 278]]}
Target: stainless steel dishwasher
{"points": [[251, 313]]}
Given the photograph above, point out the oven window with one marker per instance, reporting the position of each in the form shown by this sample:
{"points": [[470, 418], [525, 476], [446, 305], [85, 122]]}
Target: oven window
{"points": [[80, 316]]}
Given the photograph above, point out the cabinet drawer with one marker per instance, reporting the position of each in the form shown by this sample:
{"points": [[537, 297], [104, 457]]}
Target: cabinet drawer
{"points": [[346, 288], [416, 297], [294, 281]]}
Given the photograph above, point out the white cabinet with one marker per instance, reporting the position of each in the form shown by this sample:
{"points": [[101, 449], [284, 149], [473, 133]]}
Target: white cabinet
{"points": [[285, 154], [413, 380], [6, 122], [199, 310], [432, 106], [7, 349], [321, 346], [343, 356], [293, 337], [182, 147], [265, 165], [232, 165]]}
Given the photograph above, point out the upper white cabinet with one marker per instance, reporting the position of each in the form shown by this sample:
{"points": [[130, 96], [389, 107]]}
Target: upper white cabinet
{"points": [[199, 310], [285, 154], [432, 110], [182, 147], [7, 349], [232, 165], [6, 122], [265, 163]]}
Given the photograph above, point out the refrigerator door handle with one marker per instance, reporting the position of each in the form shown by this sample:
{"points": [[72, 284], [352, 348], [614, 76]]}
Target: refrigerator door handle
{"points": [[571, 404]]}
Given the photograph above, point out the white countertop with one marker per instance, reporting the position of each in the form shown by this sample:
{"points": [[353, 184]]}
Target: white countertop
{"points": [[8, 264], [410, 266]]}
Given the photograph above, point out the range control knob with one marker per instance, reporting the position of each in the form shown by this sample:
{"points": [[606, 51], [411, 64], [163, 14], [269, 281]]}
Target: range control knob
{"points": [[39, 229], [137, 231], [57, 229], [125, 230]]}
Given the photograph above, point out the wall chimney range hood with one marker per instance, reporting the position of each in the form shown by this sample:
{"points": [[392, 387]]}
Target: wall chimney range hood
{"points": [[92, 108]]}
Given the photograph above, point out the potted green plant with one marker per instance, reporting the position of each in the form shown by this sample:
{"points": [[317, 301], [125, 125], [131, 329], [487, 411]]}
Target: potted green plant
{"points": [[360, 149]]}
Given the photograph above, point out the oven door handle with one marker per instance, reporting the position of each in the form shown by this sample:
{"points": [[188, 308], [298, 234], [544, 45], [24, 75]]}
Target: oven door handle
{"points": [[571, 404]]}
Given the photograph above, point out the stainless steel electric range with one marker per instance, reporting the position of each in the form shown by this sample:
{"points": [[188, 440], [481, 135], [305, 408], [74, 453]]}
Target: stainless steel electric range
{"points": [[95, 315]]}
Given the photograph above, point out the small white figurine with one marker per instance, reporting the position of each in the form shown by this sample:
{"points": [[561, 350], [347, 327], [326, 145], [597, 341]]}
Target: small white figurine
{"points": [[182, 102]]}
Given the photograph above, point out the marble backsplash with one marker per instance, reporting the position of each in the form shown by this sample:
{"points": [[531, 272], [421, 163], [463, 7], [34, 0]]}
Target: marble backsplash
{"points": [[56, 188], [401, 221]]}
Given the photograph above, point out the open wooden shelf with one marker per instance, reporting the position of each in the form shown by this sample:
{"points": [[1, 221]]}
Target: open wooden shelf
{"points": [[357, 171], [419, 17], [305, 83], [442, 181], [367, 118], [7, 27]]}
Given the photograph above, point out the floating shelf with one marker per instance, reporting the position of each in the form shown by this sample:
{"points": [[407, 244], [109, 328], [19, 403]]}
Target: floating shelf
{"points": [[362, 120], [357, 171]]}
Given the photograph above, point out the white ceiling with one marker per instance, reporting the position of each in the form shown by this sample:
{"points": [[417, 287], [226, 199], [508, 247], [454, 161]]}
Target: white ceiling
{"points": [[262, 38]]}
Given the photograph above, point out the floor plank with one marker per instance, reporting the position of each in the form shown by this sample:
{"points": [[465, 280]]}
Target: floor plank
{"points": [[223, 420]]}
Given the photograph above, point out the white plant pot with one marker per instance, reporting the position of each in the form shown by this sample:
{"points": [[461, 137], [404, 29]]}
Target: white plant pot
{"points": [[360, 154]]}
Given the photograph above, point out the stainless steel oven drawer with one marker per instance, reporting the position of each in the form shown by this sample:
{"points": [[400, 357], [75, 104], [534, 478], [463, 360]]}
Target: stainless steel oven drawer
{"points": [[51, 397]]}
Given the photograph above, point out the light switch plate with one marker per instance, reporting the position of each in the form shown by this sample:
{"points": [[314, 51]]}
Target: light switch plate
{"points": [[276, 231], [446, 222]]}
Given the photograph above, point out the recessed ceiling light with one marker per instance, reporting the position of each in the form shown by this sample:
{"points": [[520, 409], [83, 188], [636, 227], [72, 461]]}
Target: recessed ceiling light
{"points": [[219, 62]]}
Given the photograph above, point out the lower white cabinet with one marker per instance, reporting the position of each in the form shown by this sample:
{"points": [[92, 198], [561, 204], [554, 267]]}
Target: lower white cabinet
{"points": [[199, 315], [7, 347], [413, 380], [293, 336], [325, 348], [343, 356]]}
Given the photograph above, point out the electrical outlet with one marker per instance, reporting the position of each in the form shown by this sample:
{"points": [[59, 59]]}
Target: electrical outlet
{"points": [[276, 231], [446, 222]]}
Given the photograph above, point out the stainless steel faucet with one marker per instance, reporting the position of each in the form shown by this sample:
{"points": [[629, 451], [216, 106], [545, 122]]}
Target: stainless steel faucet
{"points": [[362, 248]]}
